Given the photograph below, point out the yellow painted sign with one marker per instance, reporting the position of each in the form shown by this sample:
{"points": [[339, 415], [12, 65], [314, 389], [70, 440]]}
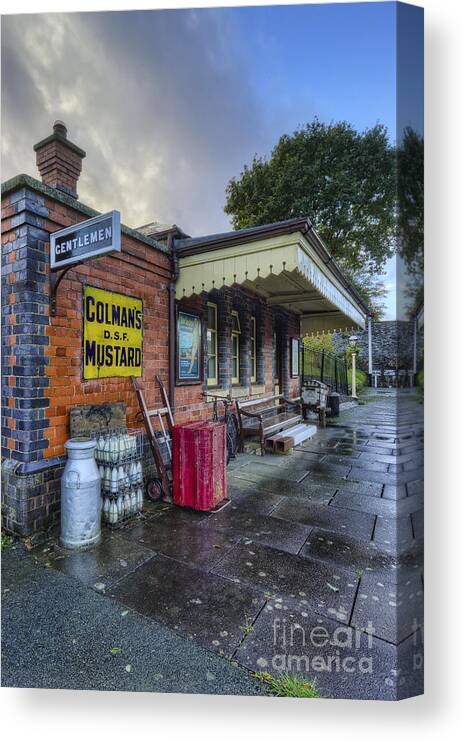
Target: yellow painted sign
{"points": [[112, 343]]}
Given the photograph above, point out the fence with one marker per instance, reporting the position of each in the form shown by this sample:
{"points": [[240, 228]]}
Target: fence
{"points": [[325, 366]]}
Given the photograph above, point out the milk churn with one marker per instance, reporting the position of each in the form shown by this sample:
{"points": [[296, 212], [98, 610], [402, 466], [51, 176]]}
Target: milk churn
{"points": [[80, 495]]}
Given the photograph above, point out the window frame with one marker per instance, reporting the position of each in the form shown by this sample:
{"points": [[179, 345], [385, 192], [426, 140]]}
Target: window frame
{"points": [[295, 349], [212, 381]]}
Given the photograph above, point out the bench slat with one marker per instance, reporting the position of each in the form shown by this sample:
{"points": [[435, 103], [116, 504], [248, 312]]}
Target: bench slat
{"points": [[261, 401]]}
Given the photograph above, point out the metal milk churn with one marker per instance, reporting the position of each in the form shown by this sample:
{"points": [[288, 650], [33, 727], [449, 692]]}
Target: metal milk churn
{"points": [[80, 495]]}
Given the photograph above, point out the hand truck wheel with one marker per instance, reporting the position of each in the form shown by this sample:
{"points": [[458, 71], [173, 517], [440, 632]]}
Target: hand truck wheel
{"points": [[155, 490]]}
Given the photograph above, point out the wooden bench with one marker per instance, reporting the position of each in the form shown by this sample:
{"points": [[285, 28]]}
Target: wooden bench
{"points": [[315, 398], [266, 416]]}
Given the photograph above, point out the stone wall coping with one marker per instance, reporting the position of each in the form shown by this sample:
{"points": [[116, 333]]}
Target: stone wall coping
{"points": [[26, 181], [35, 467]]}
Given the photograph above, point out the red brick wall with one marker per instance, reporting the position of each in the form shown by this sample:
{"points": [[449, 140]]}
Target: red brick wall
{"points": [[139, 270]]}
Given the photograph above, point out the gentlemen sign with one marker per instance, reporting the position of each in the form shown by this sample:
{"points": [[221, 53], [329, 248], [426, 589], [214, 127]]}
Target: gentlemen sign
{"points": [[112, 339], [87, 239]]}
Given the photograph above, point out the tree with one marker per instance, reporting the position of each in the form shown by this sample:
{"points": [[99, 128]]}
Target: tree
{"points": [[410, 229], [343, 180], [410, 169], [371, 287], [320, 342]]}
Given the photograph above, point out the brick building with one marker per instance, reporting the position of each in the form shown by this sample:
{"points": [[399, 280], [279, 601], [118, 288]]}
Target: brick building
{"points": [[247, 295]]}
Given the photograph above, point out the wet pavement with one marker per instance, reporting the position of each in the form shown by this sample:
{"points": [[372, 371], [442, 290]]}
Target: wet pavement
{"points": [[315, 568]]}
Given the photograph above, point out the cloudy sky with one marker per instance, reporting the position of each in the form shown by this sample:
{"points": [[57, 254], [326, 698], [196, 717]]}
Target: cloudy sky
{"points": [[169, 105]]}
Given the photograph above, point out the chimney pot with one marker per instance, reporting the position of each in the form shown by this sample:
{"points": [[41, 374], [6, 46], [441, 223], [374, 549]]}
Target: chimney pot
{"points": [[60, 129], [59, 161]]}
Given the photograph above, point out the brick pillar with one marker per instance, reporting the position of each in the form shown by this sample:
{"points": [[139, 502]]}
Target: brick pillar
{"points": [[30, 483], [245, 370], [286, 356], [260, 318], [224, 301], [281, 328], [25, 319]]}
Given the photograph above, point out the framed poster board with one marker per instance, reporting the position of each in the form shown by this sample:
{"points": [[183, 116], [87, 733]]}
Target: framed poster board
{"points": [[295, 357], [189, 346]]}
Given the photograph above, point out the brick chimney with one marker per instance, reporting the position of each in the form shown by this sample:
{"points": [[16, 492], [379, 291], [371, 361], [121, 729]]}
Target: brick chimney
{"points": [[59, 161]]}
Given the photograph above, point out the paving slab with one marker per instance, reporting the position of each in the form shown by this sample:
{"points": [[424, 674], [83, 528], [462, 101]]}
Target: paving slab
{"points": [[319, 446], [373, 489], [185, 542], [203, 606], [237, 522], [376, 505], [374, 465], [310, 489], [394, 492], [393, 535], [321, 516], [395, 478], [259, 470], [172, 515], [417, 461], [394, 610], [342, 662], [261, 503], [344, 551], [322, 467], [328, 590], [415, 487], [418, 525], [367, 457], [101, 565], [380, 447]]}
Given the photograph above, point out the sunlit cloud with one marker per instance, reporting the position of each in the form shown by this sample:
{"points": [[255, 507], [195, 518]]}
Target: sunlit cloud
{"points": [[159, 101]]}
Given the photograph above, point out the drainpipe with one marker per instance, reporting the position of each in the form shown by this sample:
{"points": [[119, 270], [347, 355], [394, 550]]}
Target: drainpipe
{"points": [[172, 320]]}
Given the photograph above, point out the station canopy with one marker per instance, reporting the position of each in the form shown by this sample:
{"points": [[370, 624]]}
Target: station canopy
{"points": [[286, 263]]}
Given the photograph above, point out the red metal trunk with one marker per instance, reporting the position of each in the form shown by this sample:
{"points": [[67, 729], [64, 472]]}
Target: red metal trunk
{"points": [[199, 465]]}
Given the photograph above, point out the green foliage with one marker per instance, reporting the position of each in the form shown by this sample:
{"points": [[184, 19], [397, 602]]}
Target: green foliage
{"points": [[410, 173], [361, 379], [7, 541], [343, 180], [372, 289], [319, 342], [288, 686], [421, 379], [410, 223]]}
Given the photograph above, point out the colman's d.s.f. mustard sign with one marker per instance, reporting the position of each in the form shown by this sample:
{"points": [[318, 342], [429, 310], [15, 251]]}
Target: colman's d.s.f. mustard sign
{"points": [[113, 325]]}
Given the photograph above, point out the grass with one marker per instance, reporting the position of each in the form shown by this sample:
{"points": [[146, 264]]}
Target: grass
{"points": [[287, 686], [247, 629], [7, 541]]}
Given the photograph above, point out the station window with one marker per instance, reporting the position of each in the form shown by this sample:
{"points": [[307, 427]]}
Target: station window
{"points": [[235, 347], [253, 350], [212, 344]]}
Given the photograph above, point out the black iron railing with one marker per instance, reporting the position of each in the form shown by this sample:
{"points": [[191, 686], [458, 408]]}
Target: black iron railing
{"points": [[326, 367]]}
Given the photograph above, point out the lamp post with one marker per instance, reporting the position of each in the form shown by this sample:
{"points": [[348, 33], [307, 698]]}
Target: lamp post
{"points": [[353, 344]]}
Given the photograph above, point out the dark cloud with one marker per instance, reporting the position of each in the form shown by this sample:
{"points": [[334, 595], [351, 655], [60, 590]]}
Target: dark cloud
{"points": [[160, 101]]}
